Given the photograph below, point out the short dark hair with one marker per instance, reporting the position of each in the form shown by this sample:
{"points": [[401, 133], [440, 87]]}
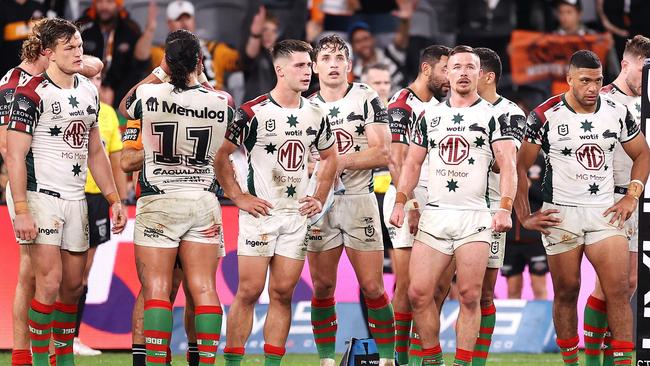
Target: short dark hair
{"points": [[333, 42], [585, 59], [52, 30], [182, 51], [289, 46], [639, 46], [432, 54], [375, 66], [461, 49], [490, 61]]}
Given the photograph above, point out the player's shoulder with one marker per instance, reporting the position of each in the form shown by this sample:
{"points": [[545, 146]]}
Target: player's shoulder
{"points": [[85, 83], [35, 85], [511, 107], [361, 90], [611, 104], [313, 105], [222, 96], [552, 104], [401, 99], [251, 107]]}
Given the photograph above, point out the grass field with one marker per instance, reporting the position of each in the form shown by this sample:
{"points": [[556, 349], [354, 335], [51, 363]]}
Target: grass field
{"points": [[124, 359]]}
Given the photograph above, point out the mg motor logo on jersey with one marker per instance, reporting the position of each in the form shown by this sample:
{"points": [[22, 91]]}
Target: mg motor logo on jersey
{"points": [[344, 140], [591, 156], [74, 134], [453, 149], [291, 155]]}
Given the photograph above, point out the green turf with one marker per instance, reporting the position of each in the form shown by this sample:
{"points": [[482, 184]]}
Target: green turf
{"points": [[124, 359]]}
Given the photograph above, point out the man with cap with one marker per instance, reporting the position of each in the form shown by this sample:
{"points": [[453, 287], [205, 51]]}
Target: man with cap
{"points": [[366, 52], [218, 57]]}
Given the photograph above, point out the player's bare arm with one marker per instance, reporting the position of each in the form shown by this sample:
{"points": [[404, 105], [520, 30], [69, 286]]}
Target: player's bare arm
{"points": [[100, 167], [131, 159], [505, 154], [92, 66], [245, 201], [152, 78], [539, 220], [312, 205], [407, 181], [377, 153], [18, 144], [637, 150], [398, 152]]}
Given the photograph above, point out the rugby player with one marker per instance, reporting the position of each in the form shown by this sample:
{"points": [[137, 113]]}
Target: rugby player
{"points": [[578, 132], [359, 123], [52, 137], [461, 138], [430, 86], [277, 130]]}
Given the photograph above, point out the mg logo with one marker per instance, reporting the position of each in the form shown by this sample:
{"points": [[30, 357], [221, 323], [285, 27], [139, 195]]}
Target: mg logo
{"points": [[453, 150], [591, 156], [291, 155], [344, 140], [74, 134]]}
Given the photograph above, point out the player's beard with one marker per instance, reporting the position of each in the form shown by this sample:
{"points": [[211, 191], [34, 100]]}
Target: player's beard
{"points": [[438, 87], [633, 88]]}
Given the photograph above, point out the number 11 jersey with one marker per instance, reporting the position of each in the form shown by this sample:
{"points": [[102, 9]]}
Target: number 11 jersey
{"points": [[181, 132]]}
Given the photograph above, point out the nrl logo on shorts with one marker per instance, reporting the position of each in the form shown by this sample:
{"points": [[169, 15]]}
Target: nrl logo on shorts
{"points": [[563, 129], [270, 125], [435, 122], [370, 231], [56, 107]]}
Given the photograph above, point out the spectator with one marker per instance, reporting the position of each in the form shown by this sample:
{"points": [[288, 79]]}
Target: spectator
{"points": [[613, 14], [110, 34], [256, 62], [524, 247], [16, 24], [377, 76], [218, 57], [366, 53]]}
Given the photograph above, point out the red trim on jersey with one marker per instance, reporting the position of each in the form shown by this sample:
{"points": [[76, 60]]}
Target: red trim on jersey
{"points": [[248, 106], [312, 95], [12, 83], [231, 102], [607, 89], [400, 101], [548, 104], [29, 89]]}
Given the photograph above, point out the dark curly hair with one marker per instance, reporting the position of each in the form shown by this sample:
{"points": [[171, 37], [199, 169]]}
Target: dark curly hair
{"points": [[182, 54]]}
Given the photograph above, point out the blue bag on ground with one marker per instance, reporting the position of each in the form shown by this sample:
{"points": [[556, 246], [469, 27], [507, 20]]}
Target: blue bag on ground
{"points": [[361, 352]]}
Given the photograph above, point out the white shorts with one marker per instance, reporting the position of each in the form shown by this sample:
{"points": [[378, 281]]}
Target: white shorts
{"points": [[446, 230], [352, 221], [60, 222], [401, 237], [497, 249], [631, 227], [164, 220], [579, 226], [283, 234]]}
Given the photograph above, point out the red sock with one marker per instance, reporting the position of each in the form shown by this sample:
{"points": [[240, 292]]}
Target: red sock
{"points": [[622, 352], [569, 350], [53, 359], [21, 357]]}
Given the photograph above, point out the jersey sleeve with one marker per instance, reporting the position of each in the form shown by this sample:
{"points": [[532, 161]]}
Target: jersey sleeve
{"points": [[114, 142], [400, 118], [324, 138], [8, 85], [500, 128], [517, 121], [133, 105], [240, 127], [419, 134], [629, 128], [533, 133], [374, 109], [26, 109], [132, 138]]}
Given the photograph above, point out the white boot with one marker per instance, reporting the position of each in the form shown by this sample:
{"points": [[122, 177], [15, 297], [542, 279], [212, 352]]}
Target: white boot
{"points": [[386, 362], [81, 349], [327, 362]]}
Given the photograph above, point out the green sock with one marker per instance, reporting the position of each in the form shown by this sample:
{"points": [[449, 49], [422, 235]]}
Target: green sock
{"points": [[623, 352], [595, 325], [382, 325], [415, 347], [482, 346], [40, 326], [463, 357], [233, 355], [569, 350], [208, 331], [608, 352], [157, 330], [402, 330], [324, 326], [273, 355], [63, 327]]}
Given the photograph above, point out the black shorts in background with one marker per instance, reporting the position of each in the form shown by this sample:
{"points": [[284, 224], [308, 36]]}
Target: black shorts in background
{"points": [[99, 224], [518, 255]]}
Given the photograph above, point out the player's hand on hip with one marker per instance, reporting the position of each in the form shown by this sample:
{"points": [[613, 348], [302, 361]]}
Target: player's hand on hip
{"points": [[501, 221], [25, 226], [253, 205], [311, 206], [622, 210], [397, 217], [120, 217], [414, 219], [541, 220]]}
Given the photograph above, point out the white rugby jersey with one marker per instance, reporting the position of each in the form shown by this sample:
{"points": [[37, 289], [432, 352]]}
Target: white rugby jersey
{"points": [[8, 84], [181, 132], [579, 149], [622, 162], [404, 108], [517, 120], [348, 118], [459, 144], [59, 121], [277, 141]]}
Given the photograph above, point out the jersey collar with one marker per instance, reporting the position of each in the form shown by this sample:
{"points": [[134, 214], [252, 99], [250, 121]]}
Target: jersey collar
{"points": [[572, 110], [350, 85], [76, 81], [278, 104], [473, 104], [415, 95]]}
